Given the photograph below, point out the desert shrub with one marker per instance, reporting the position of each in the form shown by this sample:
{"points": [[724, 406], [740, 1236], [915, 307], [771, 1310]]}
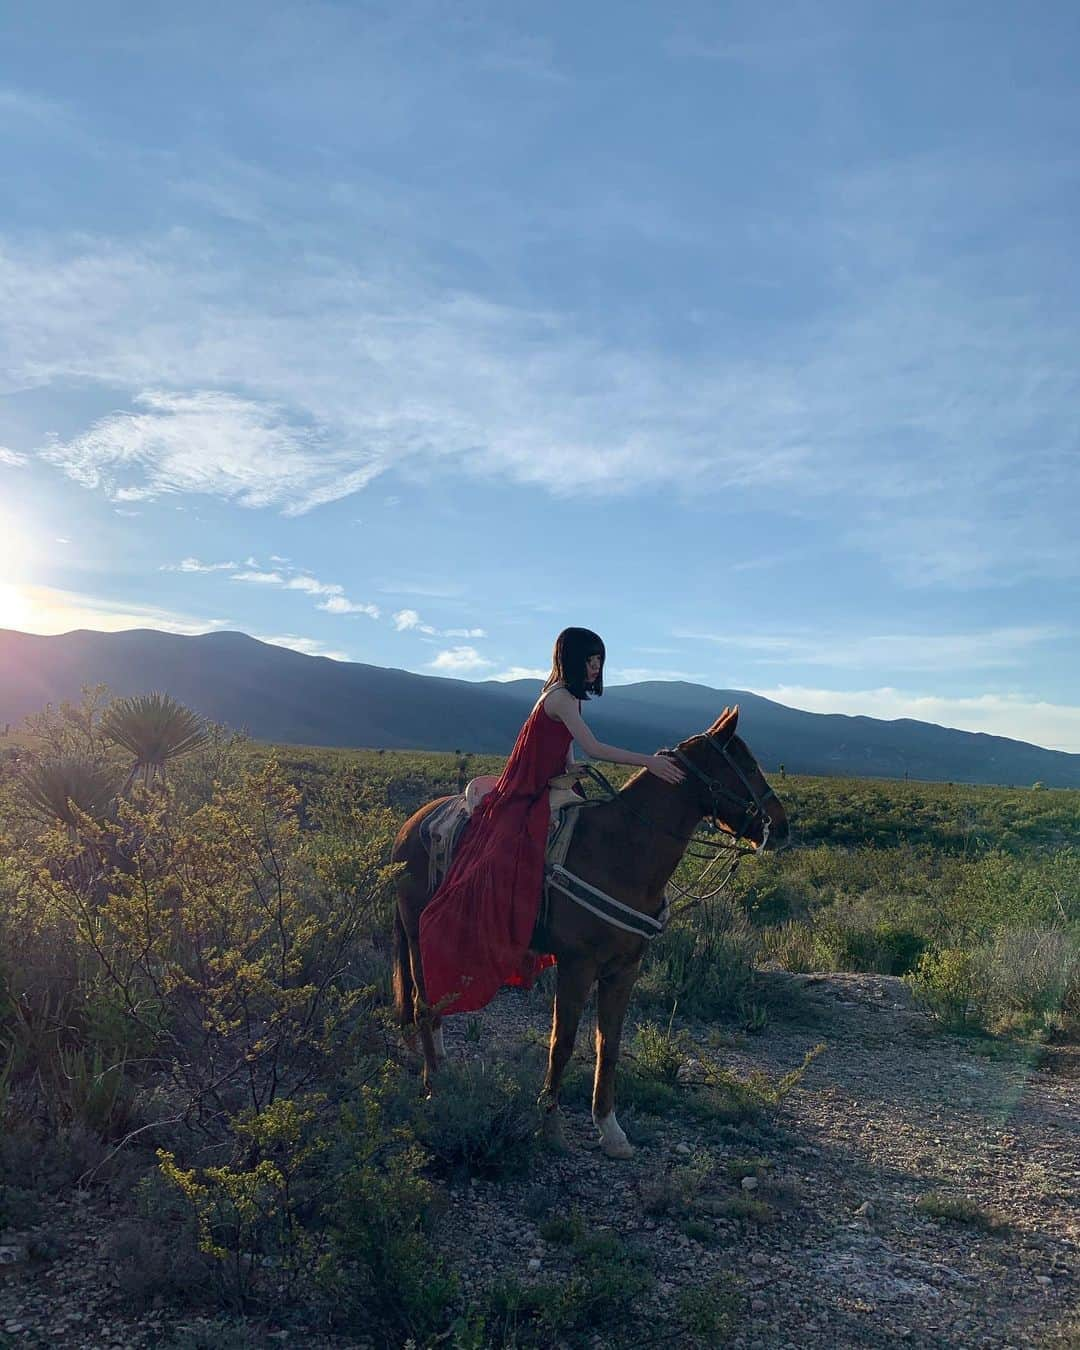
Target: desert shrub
{"points": [[482, 1117], [676, 1189], [383, 1269], [658, 1053], [948, 983], [710, 1310], [152, 1260], [1033, 974], [958, 1209], [247, 1212], [835, 941], [322, 1214], [220, 940], [601, 1285], [704, 963], [1022, 979]]}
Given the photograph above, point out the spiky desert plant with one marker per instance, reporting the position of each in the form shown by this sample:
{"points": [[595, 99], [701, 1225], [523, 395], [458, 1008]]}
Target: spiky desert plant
{"points": [[62, 787], [155, 729]]}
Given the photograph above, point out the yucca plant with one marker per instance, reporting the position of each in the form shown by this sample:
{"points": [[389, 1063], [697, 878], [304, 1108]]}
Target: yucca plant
{"points": [[155, 729], [63, 787]]}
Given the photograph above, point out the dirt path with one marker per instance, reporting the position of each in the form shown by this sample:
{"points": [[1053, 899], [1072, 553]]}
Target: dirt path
{"points": [[832, 1252], [891, 1111]]}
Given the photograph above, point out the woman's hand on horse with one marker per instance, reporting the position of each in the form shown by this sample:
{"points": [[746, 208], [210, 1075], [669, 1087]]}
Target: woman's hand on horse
{"points": [[665, 769]]}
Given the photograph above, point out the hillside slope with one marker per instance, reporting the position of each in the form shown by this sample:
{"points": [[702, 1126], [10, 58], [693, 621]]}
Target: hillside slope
{"points": [[280, 695]]}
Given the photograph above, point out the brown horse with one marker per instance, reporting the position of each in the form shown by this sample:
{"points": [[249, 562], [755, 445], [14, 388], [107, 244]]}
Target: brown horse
{"points": [[629, 848]]}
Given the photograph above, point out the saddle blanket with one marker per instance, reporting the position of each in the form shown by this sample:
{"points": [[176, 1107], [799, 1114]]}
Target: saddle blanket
{"points": [[441, 831]]}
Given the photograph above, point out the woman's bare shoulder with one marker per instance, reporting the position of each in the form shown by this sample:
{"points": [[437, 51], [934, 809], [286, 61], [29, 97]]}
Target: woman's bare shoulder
{"points": [[558, 700]]}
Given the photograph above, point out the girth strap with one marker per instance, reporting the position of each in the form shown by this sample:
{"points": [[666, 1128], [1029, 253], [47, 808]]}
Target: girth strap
{"points": [[604, 906]]}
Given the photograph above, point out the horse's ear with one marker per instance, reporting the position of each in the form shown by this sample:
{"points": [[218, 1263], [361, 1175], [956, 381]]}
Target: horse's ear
{"points": [[725, 722]]}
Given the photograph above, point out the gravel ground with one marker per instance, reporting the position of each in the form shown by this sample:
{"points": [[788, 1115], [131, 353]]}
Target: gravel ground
{"points": [[838, 1256]]}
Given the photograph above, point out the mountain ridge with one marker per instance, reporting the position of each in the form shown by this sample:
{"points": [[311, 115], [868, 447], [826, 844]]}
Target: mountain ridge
{"points": [[278, 694]]}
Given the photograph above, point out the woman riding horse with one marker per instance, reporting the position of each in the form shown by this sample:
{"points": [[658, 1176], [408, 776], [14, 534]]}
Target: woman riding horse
{"points": [[475, 935], [607, 899]]}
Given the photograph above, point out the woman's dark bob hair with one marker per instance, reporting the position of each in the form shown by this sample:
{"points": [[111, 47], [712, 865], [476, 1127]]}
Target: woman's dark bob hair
{"points": [[573, 647]]}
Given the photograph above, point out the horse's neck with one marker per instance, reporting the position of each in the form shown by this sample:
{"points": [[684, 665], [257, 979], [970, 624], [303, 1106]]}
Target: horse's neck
{"points": [[673, 815]]}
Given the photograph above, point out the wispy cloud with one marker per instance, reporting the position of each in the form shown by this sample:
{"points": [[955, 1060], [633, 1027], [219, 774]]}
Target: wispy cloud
{"points": [[520, 673], [339, 604], [307, 646], [194, 565], [1053, 725], [460, 661], [290, 381], [333, 601], [429, 590], [48, 610], [408, 620], [259, 578], [209, 442], [912, 651], [11, 458], [632, 674]]}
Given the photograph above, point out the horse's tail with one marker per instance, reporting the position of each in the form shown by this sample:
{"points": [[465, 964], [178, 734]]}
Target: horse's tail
{"points": [[404, 987]]}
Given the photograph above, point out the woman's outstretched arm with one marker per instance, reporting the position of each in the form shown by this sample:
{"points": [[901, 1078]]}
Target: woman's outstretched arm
{"points": [[562, 705]]}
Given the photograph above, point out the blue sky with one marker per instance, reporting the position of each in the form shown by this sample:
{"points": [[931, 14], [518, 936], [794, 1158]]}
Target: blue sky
{"points": [[410, 333]]}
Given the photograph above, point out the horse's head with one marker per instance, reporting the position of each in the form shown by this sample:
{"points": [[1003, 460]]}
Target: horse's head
{"points": [[730, 787]]}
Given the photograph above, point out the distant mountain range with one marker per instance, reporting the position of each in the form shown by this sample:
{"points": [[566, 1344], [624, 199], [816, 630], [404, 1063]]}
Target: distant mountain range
{"points": [[280, 695]]}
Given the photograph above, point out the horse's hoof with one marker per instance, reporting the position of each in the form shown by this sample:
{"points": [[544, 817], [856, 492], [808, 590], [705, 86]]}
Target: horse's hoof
{"points": [[612, 1139]]}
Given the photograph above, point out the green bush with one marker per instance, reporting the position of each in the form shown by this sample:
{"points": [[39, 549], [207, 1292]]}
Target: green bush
{"points": [[948, 983], [704, 963], [482, 1117]]}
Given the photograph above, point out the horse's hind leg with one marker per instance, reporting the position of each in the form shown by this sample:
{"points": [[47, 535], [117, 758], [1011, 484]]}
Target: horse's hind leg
{"points": [[575, 979], [428, 1024], [612, 997]]}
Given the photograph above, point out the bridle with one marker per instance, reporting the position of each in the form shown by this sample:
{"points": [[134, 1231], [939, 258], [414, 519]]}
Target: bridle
{"points": [[707, 846], [753, 805]]}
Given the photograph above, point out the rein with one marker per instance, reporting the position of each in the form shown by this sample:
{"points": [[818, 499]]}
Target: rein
{"points": [[702, 846]]}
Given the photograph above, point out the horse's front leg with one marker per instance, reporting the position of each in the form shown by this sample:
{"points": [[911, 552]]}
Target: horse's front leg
{"points": [[612, 997], [575, 979]]}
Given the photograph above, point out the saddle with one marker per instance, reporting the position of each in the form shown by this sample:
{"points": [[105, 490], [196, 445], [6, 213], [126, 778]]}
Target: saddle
{"points": [[442, 829]]}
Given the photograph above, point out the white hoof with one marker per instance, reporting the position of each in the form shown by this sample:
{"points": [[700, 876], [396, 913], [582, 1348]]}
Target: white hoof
{"points": [[613, 1142]]}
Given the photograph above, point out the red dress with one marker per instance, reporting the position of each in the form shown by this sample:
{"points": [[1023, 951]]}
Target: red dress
{"points": [[476, 930]]}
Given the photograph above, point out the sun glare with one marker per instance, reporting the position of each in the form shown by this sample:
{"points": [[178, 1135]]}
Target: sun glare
{"points": [[16, 610]]}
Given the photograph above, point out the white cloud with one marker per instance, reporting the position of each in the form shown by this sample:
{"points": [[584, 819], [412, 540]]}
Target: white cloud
{"points": [[260, 578], [350, 372], [338, 604], [307, 646], [335, 603], [460, 661], [11, 458], [408, 620], [47, 610], [520, 673], [314, 587], [1053, 725], [205, 441], [194, 565]]}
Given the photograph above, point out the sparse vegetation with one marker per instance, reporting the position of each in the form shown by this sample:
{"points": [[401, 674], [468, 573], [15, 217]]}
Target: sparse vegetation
{"points": [[956, 1209], [193, 1011]]}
